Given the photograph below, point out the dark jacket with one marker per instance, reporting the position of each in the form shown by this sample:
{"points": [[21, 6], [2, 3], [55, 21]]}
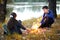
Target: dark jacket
{"points": [[14, 26], [49, 15]]}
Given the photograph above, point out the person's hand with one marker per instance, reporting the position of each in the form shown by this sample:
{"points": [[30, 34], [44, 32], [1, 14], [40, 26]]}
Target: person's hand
{"points": [[40, 24], [28, 30]]}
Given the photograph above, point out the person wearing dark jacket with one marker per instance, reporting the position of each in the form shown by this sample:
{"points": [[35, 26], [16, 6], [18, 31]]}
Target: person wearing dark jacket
{"points": [[13, 25], [48, 18]]}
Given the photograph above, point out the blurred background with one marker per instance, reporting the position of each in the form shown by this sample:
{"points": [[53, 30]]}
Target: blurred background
{"points": [[27, 9], [29, 12]]}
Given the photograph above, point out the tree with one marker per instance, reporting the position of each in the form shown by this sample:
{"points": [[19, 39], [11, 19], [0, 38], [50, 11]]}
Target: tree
{"points": [[52, 6], [2, 10], [10, 1]]}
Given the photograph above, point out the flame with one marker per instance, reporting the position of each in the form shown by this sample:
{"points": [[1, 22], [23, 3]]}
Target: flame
{"points": [[35, 25], [35, 28]]}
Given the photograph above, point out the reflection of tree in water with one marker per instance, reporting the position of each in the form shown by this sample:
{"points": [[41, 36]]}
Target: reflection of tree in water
{"points": [[20, 9], [33, 8], [30, 0], [36, 8]]}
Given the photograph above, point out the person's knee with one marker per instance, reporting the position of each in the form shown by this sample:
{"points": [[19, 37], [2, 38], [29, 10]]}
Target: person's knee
{"points": [[19, 31]]}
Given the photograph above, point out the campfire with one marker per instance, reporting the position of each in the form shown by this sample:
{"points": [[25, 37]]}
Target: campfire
{"points": [[35, 29]]}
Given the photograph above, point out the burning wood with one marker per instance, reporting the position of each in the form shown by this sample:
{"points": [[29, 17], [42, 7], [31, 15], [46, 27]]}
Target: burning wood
{"points": [[35, 29]]}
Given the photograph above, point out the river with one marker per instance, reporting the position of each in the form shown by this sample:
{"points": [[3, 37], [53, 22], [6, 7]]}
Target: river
{"points": [[25, 10]]}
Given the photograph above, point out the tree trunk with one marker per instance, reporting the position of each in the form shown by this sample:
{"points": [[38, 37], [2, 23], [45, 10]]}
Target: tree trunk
{"points": [[52, 6], [2, 10]]}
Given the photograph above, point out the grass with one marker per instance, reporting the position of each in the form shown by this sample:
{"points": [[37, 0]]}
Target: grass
{"points": [[52, 34]]}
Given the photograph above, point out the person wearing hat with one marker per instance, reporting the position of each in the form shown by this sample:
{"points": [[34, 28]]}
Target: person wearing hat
{"points": [[13, 25]]}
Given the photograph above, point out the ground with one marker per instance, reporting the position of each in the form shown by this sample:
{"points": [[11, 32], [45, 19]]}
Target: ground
{"points": [[51, 34]]}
